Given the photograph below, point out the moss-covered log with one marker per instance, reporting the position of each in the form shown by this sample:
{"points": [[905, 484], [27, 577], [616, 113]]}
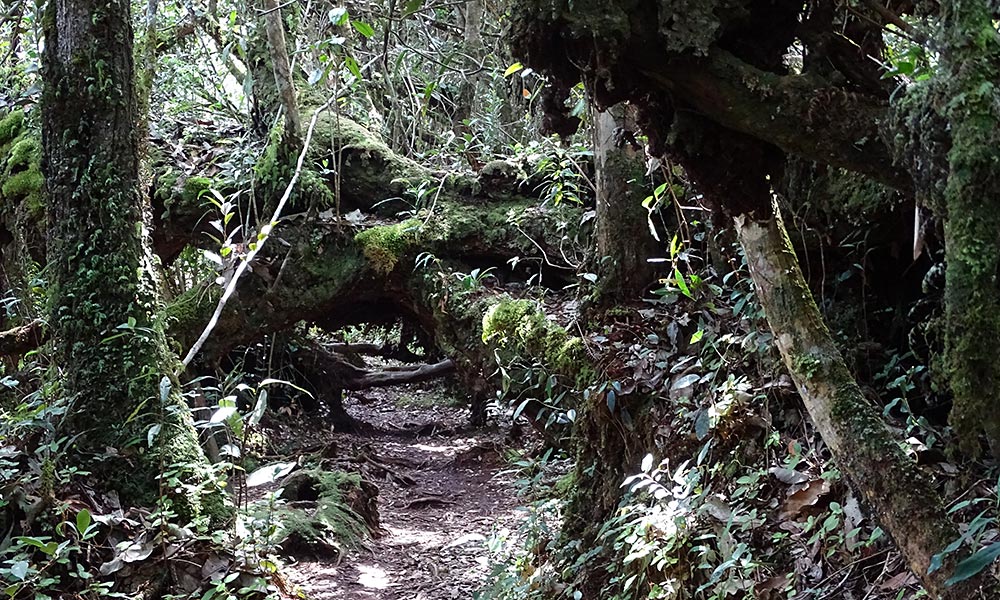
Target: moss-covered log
{"points": [[903, 498]]}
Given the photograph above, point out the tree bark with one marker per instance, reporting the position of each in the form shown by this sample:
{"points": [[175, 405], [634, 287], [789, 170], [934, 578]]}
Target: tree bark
{"points": [[111, 352], [971, 53], [282, 68], [903, 497], [623, 241]]}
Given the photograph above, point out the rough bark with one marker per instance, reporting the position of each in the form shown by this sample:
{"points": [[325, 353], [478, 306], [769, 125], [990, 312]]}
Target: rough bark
{"points": [[903, 498], [623, 241], [714, 65], [111, 352], [971, 62], [17, 341]]}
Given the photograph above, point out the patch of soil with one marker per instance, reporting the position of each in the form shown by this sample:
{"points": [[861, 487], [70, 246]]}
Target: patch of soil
{"points": [[444, 497]]}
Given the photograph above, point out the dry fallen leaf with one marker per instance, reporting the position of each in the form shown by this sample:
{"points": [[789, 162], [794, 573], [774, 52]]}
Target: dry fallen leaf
{"points": [[897, 581], [808, 496]]}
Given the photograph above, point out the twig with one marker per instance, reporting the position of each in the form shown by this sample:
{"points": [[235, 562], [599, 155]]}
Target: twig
{"points": [[262, 237]]}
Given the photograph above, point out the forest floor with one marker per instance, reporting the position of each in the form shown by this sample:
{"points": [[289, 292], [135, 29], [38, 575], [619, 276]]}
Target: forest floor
{"points": [[450, 489]]}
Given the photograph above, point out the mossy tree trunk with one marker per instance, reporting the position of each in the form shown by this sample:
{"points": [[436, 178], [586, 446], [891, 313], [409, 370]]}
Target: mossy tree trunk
{"points": [[971, 61], [624, 243], [111, 352], [903, 498]]}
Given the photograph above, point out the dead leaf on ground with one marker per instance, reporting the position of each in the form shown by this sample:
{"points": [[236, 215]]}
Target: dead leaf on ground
{"points": [[897, 581], [808, 496], [771, 587]]}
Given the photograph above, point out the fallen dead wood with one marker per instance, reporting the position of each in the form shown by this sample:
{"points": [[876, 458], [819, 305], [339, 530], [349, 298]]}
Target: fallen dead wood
{"points": [[19, 340], [370, 379]]}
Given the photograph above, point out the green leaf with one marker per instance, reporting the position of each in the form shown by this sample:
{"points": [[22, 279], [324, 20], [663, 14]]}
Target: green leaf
{"points": [[258, 409], [647, 463], [152, 433], [222, 414], [971, 566], [412, 6], [514, 68], [352, 66], [83, 520], [19, 570], [363, 28], [269, 473], [681, 284]]}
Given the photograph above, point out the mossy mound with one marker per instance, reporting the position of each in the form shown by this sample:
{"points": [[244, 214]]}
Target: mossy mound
{"points": [[21, 179], [520, 327], [383, 246]]}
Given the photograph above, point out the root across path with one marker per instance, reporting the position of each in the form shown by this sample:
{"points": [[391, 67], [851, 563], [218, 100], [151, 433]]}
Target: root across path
{"points": [[444, 494]]}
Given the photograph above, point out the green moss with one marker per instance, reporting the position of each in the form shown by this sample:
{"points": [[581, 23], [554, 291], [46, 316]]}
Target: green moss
{"points": [[187, 314], [26, 149], [194, 186], [520, 327], [11, 125], [21, 178], [503, 319], [383, 246], [25, 185]]}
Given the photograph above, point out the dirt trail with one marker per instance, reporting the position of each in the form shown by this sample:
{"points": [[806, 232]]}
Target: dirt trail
{"points": [[445, 499]]}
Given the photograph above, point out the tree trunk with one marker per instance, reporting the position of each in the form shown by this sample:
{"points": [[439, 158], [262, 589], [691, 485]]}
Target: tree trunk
{"points": [[111, 352], [904, 499], [971, 53], [623, 240], [282, 69]]}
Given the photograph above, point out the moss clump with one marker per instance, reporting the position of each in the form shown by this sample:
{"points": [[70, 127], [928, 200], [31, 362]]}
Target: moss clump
{"points": [[11, 125], [503, 319], [383, 246], [21, 179], [520, 327], [193, 188]]}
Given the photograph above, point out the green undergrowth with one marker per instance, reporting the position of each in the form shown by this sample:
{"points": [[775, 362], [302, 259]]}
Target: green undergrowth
{"points": [[719, 488], [327, 524]]}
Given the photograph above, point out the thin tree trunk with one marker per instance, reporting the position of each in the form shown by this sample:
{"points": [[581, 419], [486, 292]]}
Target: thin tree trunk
{"points": [[623, 240], [282, 68], [904, 499]]}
